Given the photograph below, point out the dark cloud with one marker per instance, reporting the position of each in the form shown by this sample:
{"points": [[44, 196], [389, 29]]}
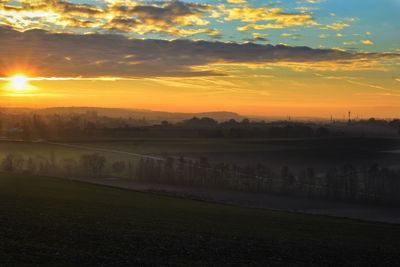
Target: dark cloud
{"points": [[61, 7], [168, 12], [123, 24], [94, 55], [71, 8], [162, 17], [171, 17], [256, 39]]}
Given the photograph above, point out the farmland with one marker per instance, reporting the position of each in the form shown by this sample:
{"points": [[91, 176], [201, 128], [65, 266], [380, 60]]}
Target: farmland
{"points": [[40, 151], [344, 169], [296, 153], [55, 221]]}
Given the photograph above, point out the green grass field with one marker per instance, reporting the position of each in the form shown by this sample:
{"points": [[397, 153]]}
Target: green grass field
{"points": [[56, 222]]}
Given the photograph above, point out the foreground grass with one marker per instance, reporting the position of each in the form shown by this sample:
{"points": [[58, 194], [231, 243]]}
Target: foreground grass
{"points": [[55, 222]]}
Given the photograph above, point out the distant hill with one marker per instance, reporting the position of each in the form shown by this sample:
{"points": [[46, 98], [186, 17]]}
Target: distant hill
{"points": [[153, 116], [148, 115]]}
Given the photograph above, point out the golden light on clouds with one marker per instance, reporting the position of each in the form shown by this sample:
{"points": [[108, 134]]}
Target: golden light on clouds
{"points": [[367, 42]]}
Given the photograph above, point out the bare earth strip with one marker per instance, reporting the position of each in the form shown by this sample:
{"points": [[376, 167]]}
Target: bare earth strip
{"points": [[263, 201]]}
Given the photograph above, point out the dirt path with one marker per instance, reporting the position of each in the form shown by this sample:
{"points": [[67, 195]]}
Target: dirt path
{"points": [[264, 201]]}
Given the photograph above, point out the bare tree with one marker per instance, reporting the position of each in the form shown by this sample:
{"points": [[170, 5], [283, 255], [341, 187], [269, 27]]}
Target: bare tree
{"points": [[92, 164], [7, 163], [118, 167]]}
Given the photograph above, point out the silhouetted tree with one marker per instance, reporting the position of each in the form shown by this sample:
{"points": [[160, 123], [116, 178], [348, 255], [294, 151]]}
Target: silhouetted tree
{"points": [[118, 167], [70, 166], [7, 164], [93, 164], [31, 166]]}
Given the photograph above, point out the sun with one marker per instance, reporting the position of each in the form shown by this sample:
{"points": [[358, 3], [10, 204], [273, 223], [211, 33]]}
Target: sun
{"points": [[19, 81]]}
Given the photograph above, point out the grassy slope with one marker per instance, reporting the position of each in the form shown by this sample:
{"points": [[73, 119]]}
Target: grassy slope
{"points": [[47, 221]]}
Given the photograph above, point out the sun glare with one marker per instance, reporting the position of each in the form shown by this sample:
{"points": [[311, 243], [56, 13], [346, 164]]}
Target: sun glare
{"points": [[19, 81]]}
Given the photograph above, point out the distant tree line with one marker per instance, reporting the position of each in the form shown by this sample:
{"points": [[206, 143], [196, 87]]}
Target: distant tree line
{"points": [[90, 166], [73, 126], [372, 184]]}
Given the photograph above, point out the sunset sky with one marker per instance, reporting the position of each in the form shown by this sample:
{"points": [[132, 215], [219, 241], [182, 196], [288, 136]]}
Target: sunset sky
{"points": [[298, 58]]}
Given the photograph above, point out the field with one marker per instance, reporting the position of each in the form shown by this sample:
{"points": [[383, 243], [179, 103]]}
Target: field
{"points": [[48, 221], [295, 153], [41, 150], [298, 154]]}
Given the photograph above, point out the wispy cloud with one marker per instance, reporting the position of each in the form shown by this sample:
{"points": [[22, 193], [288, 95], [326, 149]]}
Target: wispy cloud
{"points": [[337, 26], [350, 43], [276, 17]]}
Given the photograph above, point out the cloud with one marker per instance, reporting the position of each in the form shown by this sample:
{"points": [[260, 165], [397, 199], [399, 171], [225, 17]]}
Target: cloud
{"points": [[367, 42], [49, 54], [260, 36], [354, 80], [371, 85], [236, 1], [171, 17], [168, 13], [314, 1], [351, 19], [55, 6], [279, 17], [260, 27], [337, 26]]}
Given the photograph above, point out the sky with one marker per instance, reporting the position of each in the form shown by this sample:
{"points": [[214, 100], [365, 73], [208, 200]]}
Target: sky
{"points": [[271, 58]]}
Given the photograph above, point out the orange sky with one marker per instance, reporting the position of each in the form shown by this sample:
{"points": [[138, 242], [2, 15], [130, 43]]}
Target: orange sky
{"points": [[187, 56], [266, 97]]}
